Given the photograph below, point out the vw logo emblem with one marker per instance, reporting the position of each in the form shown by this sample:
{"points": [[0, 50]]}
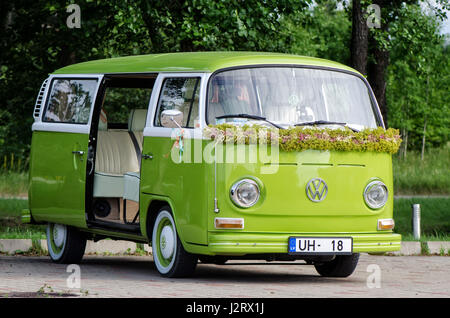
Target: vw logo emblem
{"points": [[316, 190]]}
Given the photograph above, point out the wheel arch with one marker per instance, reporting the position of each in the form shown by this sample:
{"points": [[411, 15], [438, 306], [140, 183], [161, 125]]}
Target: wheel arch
{"points": [[153, 207]]}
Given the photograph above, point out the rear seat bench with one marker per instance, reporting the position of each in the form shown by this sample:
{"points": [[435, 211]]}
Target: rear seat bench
{"points": [[115, 157], [117, 162]]}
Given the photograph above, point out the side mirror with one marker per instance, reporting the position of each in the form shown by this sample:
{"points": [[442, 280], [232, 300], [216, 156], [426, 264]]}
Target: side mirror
{"points": [[171, 118]]}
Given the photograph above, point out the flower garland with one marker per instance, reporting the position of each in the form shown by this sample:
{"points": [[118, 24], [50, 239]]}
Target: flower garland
{"points": [[303, 138]]}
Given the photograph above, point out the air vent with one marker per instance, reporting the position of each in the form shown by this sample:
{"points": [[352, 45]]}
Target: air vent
{"points": [[39, 100]]}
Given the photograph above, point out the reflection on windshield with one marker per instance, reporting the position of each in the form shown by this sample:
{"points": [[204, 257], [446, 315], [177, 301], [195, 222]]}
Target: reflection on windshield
{"points": [[290, 96]]}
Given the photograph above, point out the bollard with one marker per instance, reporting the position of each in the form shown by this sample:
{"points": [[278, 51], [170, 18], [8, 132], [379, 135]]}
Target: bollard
{"points": [[416, 221]]}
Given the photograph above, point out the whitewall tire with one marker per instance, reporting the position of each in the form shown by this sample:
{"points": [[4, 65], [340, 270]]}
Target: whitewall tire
{"points": [[65, 244], [171, 259]]}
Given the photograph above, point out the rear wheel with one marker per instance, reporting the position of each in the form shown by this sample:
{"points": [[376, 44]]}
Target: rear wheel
{"points": [[65, 244], [340, 266], [170, 257]]}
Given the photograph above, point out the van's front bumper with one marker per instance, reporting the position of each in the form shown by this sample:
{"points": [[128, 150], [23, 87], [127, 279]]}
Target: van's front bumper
{"points": [[235, 243]]}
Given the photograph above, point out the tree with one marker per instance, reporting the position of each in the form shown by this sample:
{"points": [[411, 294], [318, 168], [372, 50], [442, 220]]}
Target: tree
{"points": [[417, 89], [322, 31], [35, 40], [217, 25]]}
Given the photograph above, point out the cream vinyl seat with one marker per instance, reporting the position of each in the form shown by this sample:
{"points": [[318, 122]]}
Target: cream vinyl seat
{"points": [[115, 157], [132, 179], [136, 124], [117, 161]]}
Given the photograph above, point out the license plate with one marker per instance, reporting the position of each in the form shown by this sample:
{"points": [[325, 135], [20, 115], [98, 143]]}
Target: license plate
{"points": [[320, 245]]}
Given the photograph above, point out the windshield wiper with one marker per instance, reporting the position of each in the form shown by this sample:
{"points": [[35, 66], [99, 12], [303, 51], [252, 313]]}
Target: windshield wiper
{"points": [[325, 122], [256, 117]]}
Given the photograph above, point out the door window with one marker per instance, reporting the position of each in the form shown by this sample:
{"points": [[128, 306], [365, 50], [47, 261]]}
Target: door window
{"points": [[70, 101], [180, 93]]}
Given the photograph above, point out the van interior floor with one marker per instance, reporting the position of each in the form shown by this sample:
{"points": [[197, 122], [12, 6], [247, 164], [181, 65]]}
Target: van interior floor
{"points": [[120, 211]]}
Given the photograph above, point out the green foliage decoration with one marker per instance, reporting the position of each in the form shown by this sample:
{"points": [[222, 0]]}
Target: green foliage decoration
{"points": [[303, 138]]}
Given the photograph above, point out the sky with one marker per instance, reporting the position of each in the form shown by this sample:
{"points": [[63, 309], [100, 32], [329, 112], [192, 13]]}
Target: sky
{"points": [[445, 29], [446, 25]]}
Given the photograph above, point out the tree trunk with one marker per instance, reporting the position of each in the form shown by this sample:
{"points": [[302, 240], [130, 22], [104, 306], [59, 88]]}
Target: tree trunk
{"points": [[425, 119], [405, 141], [359, 43], [377, 79], [359, 53], [423, 139], [379, 61]]}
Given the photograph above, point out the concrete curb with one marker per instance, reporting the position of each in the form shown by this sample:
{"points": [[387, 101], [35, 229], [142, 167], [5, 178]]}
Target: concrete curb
{"points": [[439, 247], [107, 247], [409, 248], [21, 246]]}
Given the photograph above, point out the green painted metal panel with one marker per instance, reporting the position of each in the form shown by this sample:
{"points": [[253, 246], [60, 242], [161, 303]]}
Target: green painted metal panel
{"points": [[191, 62], [58, 177], [284, 205], [183, 184], [25, 216], [227, 243]]}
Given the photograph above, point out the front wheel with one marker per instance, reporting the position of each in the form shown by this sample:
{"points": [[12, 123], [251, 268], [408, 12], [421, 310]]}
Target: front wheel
{"points": [[170, 257], [340, 266], [65, 244]]}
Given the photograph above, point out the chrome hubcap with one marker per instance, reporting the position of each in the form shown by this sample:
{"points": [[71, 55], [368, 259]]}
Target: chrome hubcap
{"points": [[167, 242], [59, 233]]}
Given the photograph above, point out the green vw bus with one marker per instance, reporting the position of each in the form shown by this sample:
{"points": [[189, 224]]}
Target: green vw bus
{"points": [[211, 157]]}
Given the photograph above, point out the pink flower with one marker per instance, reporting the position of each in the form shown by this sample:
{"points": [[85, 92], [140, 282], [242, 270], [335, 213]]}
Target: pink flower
{"points": [[372, 138]]}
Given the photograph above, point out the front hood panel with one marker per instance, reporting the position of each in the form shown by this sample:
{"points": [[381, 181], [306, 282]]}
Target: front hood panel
{"points": [[284, 183]]}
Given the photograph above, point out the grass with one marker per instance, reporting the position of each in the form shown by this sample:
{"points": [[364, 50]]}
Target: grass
{"points": [[428, 177], [13, 184], [440, 237], [12, 207], [22, 231], [10, 225], [434, 217]]}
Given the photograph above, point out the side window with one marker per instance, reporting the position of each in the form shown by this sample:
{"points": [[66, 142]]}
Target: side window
{"points": [[180, 93], [70, 101]]}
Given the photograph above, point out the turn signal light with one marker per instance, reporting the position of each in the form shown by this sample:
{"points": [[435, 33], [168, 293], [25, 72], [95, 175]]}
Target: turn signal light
{"points": [[229, 223], [386, 224]]}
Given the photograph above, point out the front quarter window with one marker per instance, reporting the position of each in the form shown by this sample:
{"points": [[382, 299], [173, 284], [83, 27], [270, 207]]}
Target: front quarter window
{"points": [[180, 93]]}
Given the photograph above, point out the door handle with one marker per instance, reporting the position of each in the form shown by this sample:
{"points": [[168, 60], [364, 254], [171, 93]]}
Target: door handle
{"points": [[91, 161], [145, 156], [80, 153]]}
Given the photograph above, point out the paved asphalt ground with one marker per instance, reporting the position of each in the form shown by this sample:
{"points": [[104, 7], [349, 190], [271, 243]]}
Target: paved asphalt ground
{"points": [[136, 276]]}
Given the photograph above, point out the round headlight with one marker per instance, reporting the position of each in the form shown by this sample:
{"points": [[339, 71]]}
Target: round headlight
{"points": [[376, 194], [245, 193]]}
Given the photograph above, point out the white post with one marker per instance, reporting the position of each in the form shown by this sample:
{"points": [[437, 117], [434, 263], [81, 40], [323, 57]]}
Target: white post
{"points": [[416, 221]]}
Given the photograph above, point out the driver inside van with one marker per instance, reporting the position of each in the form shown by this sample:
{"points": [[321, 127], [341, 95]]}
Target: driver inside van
{"points": [[227, 99]]}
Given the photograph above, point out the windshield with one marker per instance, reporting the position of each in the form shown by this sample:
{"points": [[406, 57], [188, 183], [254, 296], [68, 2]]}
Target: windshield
{"points": [[290, 96]]}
